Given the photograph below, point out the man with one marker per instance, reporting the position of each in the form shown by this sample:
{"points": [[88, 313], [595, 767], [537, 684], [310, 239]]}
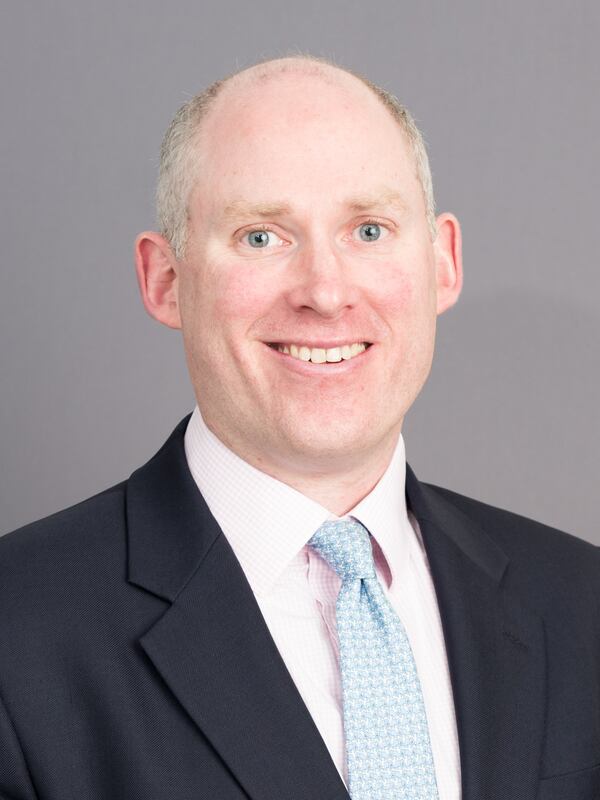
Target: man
{"points": [[274, 607]]}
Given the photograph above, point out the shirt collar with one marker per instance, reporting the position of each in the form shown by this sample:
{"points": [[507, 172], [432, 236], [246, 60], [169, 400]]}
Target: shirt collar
{"points": [[268, 522]]}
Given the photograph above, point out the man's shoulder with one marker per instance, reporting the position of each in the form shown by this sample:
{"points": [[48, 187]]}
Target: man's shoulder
{"points": [[64, 590], [522, 538], [64, 538]]}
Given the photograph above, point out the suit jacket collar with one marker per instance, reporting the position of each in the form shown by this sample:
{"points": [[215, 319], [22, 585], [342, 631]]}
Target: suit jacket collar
{"points": [[214, 650], [170, 528]]}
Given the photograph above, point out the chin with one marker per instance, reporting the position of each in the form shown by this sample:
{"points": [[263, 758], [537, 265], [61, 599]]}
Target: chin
{"points": [[328, 442]]}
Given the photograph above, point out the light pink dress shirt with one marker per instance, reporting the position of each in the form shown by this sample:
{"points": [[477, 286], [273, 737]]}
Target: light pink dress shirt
{"points": [[268, 524]]}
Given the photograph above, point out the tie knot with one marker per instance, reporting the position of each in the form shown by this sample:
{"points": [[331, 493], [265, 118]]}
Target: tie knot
{"points": [[346, 546]]}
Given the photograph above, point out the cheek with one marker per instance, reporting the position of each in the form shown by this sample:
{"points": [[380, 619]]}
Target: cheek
{"points": [[240, 296], [405, 294], [221, 302]]}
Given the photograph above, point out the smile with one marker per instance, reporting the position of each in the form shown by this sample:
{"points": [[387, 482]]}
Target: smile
{"points": [[322, 355]]}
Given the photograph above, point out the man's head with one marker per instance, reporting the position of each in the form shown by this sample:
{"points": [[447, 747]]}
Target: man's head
{"points": [[305, 224]]}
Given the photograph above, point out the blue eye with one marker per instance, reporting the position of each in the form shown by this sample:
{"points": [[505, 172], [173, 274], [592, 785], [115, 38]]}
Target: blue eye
{"points": [[262, 238], [258, 238], [369, 231]]}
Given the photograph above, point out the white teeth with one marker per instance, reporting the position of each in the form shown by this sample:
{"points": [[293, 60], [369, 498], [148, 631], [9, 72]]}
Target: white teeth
{"points": [[319, 355]]}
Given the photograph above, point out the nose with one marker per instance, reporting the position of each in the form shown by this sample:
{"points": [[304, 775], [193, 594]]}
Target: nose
{"points": [[322, 281]]}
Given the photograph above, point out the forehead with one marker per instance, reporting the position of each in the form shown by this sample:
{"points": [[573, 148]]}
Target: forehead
{"points": [[298, 135]]}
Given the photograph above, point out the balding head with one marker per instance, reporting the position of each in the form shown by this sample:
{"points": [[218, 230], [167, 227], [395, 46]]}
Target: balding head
{"points": [[188, 141]]}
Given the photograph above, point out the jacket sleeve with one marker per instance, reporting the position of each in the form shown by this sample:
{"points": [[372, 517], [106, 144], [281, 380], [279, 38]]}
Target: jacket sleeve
{"points": [[15, 782]]}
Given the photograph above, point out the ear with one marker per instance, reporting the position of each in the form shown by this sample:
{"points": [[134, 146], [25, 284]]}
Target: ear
{"points": [[448, 261], [156, 269]]}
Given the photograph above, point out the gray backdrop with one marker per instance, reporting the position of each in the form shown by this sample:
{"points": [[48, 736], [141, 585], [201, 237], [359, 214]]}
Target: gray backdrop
{"points": [[507, 97]]}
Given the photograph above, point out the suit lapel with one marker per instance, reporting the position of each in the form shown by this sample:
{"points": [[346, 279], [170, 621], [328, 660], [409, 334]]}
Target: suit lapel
{"points": [[495, 648], [212, 646]]}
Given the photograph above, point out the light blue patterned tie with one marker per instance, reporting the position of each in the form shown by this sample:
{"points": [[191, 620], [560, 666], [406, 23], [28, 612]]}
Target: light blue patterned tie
{"points": [[387, 740]]}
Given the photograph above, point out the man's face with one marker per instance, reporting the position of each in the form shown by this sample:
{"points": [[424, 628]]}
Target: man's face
{"points": [[308, 234]]}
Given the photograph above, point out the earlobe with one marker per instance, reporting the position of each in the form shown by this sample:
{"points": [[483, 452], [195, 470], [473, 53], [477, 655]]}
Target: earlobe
{"points": [[448, 261], [156, 273]]}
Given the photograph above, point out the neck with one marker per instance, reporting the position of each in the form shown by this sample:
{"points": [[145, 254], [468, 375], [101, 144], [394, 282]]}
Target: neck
{"points": [[339, 493], [338, 485]]}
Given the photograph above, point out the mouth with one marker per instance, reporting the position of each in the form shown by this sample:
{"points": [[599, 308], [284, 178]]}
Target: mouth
{"points": [[321, 355]]}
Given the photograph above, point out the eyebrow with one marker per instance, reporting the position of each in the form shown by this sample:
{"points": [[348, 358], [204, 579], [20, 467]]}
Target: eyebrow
{"points": [[241, 208], [387, 197]]}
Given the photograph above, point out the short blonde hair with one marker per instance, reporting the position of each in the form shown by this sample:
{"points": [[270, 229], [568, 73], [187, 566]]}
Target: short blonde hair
{"points": [[177, 175]]}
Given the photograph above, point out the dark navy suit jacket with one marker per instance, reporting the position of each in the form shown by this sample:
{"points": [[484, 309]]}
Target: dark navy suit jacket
{"points": [[135, 663]]}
